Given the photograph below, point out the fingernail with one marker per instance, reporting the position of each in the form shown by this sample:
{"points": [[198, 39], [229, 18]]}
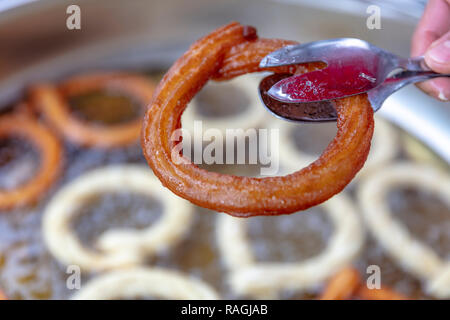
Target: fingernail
{"points": [[443, 96], [440, 53]]}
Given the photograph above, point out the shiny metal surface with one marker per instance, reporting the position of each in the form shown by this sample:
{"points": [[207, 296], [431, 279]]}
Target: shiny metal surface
{"points": [[322, 111], [139, 34], [346, 59], [378, 95]]}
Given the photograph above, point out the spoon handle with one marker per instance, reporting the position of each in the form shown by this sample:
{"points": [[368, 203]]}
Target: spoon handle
{"points": [[415, 64], [412, 77], [391, 85]]}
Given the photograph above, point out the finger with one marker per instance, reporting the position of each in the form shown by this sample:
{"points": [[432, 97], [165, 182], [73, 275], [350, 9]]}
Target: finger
{"points": [[437, 57], [437, 88], [432, 26], [434, 23]]}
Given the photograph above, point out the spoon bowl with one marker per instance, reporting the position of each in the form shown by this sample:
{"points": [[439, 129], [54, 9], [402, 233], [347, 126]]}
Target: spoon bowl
{"points": [[353, 66], [324, 111]]}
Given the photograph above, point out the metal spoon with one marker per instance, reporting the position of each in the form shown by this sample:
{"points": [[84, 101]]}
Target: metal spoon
{"points": [[323, 111], [353, 66]]}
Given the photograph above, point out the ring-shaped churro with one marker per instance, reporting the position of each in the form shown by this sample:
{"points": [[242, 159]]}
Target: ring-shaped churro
{"points": [[342, 285], [145, 282], [52, 102], [50, 165], [384, 147], [116, 248], [225, 53], [251, 116], [384, 293], [347, 284], [412, 254], [266, 280]]}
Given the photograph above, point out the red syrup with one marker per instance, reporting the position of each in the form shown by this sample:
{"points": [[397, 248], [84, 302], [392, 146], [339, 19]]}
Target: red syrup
{"points": [[347, 76]]}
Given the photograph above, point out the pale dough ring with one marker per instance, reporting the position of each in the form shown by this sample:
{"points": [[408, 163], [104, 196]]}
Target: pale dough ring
{"points": [[142, 282], [412, 254], [384, 147], [117, 248], [251, 117], [267, 280], [417, 151]]}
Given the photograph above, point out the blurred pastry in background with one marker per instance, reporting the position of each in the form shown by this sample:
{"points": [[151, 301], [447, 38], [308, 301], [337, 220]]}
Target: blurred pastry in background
{"points": [[303, 143], [251, 278], [122, 97], [226, 105], [347, 284], [22, 133], [140, 282], [114, 248], [413, 255], [417, 151]]}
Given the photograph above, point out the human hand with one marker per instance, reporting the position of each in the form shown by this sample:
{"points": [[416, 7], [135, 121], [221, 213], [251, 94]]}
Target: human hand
{"points": [[432, 40]]}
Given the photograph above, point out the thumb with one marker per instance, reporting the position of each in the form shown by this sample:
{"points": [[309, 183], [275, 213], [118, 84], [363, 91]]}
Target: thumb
{"points": [[437, 56]]}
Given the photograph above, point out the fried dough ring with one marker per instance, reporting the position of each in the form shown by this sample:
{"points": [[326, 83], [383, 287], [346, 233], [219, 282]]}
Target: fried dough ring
{"points": [[342, 285], [412, 255], [347, 284], [384, 293], [249, 277], [140, 281], [116, 248], [50, 151], [52, 102], [230, 51]]}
